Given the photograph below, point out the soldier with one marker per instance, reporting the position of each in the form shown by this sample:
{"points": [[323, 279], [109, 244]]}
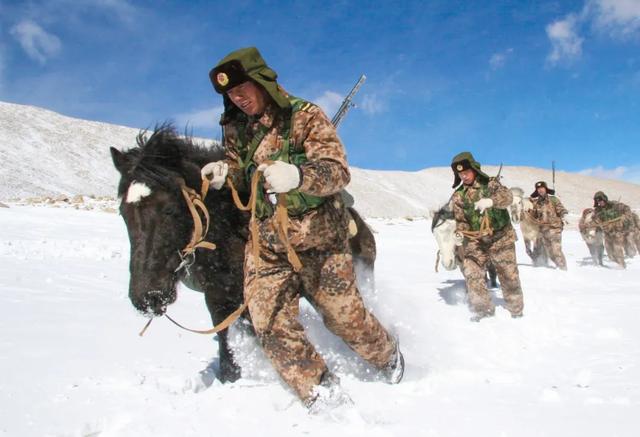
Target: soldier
{"points": [[617, 221], [296, 147], [483, 225], [548, 212]]}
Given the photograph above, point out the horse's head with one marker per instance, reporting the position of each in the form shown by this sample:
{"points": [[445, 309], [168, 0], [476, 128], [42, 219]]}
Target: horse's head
{"points": [[156, 214], [588, 227], [443, 227], [515, 209]]}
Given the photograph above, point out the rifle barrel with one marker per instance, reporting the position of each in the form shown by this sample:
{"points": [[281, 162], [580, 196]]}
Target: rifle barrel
{"points": [[347, 102]]}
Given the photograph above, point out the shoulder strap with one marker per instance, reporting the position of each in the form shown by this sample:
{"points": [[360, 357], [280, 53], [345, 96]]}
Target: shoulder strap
{"points": [[253, 145], [297, 104]]}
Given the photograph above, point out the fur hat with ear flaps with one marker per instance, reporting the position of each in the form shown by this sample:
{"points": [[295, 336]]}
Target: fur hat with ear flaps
{"points": [[599, 196], [244, 65], [542, 184], [464, 161]]}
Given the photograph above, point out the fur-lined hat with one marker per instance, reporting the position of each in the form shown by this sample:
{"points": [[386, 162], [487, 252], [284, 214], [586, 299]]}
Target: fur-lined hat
{"points": [[599, 196], [464, 161], [542, 184], [241, 66]]}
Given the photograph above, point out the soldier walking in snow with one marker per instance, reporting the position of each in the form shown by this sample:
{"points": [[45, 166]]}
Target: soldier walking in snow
{"points": [[617, 222], [483, 228], [295, 146], [548, 212]]}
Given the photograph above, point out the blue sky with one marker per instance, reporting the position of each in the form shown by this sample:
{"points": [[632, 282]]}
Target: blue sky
{"points": [[518, 82]]}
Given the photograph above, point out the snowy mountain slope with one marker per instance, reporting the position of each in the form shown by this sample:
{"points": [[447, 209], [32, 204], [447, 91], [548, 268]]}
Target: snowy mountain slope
{"points": [[45, 153], [73, 364]]}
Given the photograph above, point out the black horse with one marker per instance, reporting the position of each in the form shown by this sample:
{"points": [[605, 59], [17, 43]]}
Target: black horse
{"points": [[160, 226]]}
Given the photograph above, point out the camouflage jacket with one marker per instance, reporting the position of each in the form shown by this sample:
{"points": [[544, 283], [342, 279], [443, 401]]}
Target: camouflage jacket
{"points": [[614, 217], [548, 210], [325, 174], [501, 196]]}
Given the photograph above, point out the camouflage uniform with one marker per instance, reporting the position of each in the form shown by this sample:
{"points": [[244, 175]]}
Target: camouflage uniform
{"points": [[636, 234], [320, 238], [550, 212], [616, 220], [498, 248]]}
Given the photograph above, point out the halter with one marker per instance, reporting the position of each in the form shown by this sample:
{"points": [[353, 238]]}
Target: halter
{"points": [[195, 203]]}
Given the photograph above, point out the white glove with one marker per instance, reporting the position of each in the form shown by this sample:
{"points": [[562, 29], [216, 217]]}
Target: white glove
{"points": [[483, 204], [458, 238], [280, 177], [216, 172]]}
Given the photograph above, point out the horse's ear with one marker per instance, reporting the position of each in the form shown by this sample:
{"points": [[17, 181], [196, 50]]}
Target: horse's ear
{"points": [[120, 160]]}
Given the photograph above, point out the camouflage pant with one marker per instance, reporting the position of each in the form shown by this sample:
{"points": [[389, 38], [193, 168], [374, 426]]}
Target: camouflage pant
{"points": [[614, 243], [502, 253], [327, 281], [632, 242], [551, 239]]}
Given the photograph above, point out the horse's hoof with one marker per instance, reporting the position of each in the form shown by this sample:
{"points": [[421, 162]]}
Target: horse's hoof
{"points": [[229, 374]]}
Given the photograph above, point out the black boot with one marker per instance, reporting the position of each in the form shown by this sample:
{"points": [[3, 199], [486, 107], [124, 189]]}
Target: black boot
{"points": [[394, 370]]}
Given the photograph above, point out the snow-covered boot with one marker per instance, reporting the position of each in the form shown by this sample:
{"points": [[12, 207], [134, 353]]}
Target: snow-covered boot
{"points": [[328, 395], [394, 370]]}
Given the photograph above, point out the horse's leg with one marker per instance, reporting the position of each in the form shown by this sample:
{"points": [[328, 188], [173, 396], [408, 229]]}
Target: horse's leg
{"points": [[527, 247], [491, 270], [220, 308], [600, 249]]}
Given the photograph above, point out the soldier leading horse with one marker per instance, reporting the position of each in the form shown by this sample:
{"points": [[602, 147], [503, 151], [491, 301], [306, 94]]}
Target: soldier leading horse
{"points": [[160, 225]]}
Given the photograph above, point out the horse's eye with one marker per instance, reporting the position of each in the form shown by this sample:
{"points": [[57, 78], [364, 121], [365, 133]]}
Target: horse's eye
{"points": [[169, 210]]}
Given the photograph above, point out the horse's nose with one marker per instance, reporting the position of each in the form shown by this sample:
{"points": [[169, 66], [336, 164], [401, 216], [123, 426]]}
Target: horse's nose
{"points": [[151, 303], [449, 264]]}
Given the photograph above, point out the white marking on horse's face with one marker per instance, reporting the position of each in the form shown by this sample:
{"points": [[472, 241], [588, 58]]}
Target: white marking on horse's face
{"points": [[137, 191], [446, 243]]}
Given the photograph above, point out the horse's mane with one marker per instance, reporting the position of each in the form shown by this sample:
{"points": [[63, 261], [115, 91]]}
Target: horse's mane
{"points": [[164, 156], [444, 213]]}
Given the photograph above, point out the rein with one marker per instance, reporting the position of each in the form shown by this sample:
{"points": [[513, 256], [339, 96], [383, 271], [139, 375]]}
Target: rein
{"points": [[608, 222], [195, 203], [535, 220], [485, 229], [282, 219]]}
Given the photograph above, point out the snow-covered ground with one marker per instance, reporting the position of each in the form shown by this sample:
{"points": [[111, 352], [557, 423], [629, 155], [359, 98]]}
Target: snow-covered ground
{"points": [[72, 363]]}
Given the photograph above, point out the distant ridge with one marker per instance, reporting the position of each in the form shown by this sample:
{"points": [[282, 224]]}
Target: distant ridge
{"points": [[44, 153]]}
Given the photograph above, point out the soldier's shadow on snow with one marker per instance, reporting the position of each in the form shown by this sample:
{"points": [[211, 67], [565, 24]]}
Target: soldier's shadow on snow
{"points": [[588, 262], [453, 292]]}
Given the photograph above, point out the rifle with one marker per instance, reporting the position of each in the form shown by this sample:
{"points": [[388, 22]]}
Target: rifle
{"points": [[347, 102], [499, 171], [553, 175]]}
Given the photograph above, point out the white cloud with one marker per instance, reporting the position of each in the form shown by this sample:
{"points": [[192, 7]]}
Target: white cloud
{"points": [[372, 104], [35, 41], [566, 44], [619, 18], [499, 59], [206, 118], [330, 102], [622, 173]]}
